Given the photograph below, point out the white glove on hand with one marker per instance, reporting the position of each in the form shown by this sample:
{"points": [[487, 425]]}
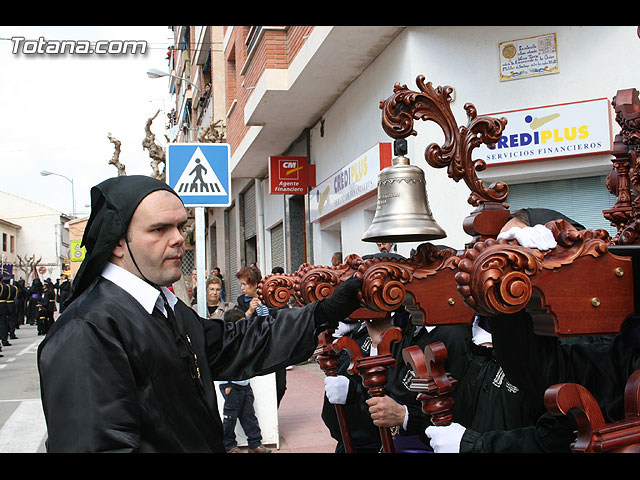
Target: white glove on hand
{"points": [[336, 389], [479, 335], [445, 439], [539, 237], [344, 328]]}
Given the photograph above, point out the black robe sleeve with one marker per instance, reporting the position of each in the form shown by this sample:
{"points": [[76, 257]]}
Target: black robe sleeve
{"points": [[535, 362], [549, 435], [247, 348]]}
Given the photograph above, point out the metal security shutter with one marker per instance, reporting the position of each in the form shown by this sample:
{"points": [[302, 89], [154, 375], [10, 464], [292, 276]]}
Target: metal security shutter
{"points": [[232, 286], [277, 246], [188, 263], [249, 212], [582, 199]]}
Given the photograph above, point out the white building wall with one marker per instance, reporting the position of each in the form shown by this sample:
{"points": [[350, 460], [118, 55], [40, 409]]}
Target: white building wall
{"points": [[42, 232], [594, 62], [11, 231]]}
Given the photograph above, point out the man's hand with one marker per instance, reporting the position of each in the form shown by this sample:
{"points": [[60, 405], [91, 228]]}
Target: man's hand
{"points": [[386, 412]]}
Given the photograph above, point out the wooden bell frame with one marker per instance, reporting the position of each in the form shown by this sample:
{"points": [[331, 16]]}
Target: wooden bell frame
{"points": [[584, 286]]}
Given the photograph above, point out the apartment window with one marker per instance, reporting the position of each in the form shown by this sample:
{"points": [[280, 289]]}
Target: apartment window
{"points": [[12, 244], [206, 80], [252, 38], [249, 225], [4, 242], [231, 78]]}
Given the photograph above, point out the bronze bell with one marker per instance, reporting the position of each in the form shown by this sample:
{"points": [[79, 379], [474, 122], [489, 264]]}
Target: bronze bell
{"points": [[402, 212]]}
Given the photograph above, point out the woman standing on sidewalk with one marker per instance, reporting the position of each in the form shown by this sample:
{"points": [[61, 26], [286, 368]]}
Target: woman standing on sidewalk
{"points": [[216, 307]]}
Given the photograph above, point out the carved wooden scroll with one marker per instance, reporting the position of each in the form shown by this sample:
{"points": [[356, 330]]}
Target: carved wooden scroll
{"points": [[577, 288], [433, 385], [328, 359], [307, 285], [624, 179], [310, 284], [431, 285], [424, 284], [373, 370], [594, 435], [433, 104], [624, 182]]}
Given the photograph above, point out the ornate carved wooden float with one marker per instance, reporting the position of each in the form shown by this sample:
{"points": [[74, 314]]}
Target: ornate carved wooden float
{"points": [[587, 285]]}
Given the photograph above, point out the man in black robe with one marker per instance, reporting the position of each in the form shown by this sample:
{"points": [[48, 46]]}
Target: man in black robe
{"points": [[535, 362], [128, 367]]}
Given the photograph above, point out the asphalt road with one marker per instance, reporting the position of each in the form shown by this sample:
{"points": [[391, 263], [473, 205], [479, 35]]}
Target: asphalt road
{"points": [[22, 425]]}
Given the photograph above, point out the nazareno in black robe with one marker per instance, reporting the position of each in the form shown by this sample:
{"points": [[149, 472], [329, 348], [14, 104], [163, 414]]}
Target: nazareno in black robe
{"points": [[112, 377]]}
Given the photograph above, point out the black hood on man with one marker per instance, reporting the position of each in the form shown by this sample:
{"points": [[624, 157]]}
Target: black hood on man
{"points": [[113, 203]]}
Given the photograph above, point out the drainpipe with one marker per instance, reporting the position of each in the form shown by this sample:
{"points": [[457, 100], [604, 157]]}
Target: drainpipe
{"points": [[307, 223], [260, 226]]}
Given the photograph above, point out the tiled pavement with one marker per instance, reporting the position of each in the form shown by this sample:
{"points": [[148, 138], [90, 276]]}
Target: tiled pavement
{"points": [[301, 427]]}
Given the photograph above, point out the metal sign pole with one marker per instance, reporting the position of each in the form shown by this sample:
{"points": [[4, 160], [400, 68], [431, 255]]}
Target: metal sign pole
{"points": [[201, 266], [200, 175]]}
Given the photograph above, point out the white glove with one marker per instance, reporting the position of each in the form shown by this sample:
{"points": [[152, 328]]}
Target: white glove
{"points": [[344, 328], [336, 389], [445, 439], [479, 335], [539, 237]]}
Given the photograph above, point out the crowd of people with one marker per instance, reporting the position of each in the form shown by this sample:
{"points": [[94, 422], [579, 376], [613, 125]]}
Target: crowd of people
{"points": [[29, 305], [238, 394], [147, 362]]}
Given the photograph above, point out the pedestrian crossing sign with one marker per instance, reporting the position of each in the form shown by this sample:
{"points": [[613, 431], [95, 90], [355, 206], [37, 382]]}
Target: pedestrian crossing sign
{"points": [[199, 173]]}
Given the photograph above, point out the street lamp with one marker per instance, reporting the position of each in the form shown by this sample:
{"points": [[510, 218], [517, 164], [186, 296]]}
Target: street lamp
{"points": [[155, 73], [45, 173]]}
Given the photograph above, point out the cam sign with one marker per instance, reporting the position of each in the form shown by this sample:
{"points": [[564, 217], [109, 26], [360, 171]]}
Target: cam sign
{"points": [[564, 130], [288, 175]]}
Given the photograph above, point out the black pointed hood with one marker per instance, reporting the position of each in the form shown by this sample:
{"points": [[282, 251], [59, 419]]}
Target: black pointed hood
{"points": [[539, 216], [112, 205]]}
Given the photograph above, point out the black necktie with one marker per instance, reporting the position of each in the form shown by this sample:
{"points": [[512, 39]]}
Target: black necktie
{"points": [[183, 343]]}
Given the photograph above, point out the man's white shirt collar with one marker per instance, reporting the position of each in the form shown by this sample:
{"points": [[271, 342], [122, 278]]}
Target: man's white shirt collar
{"points": [[144, 293]]}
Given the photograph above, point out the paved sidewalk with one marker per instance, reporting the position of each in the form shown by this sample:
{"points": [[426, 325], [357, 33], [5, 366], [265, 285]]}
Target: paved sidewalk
{"points": [[301, 427]]}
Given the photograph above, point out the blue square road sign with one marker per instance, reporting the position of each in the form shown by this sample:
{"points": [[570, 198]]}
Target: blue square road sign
{"points": [[200, 173]]}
